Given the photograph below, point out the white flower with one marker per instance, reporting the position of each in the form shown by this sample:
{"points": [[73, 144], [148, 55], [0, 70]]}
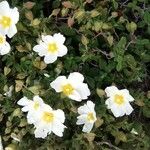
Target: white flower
{"points": [[118, 101], [1, 146], [73, 86], [4, 45], [49, 121], [8, 19], [33, 107], [51, 47], [87, 116]]}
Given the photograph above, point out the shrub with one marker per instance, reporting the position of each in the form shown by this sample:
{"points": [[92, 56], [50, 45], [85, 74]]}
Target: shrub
{"points": [[108, 42]]}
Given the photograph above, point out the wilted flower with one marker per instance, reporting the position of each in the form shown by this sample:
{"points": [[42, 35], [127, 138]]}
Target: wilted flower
{"points": [[73, 86], [49, 121], [118, 101], [87, 116], [51, 47], [4, 45], [8, 19]]}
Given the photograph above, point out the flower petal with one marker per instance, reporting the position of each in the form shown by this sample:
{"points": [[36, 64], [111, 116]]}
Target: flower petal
{"points": [[75, 96], [5, 9], [50, 58], [40, 49], [14, 14], [47, 39], [59, 115], [58, 128], [58, 82], [59, 37], [40, 133], [81, 119], [87, 127], [128, 109], [12, 31], [76, 76], [127, 95], [83, 90], [111, 90], [62, 50], [5, 49], [83, 109], [24, 101], [91, 106]]}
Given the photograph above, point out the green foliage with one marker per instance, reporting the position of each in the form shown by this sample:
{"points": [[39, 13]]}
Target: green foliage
{"points": [[108, 42]]}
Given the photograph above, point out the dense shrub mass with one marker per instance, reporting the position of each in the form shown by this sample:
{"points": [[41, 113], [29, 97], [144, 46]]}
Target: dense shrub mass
{"points": [[108, 43]]}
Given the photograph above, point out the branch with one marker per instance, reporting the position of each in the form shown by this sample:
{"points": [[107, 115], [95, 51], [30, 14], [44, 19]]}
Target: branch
{"points": [[109, 144]]}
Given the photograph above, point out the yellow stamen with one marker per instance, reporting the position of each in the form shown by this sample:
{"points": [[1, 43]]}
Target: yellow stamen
{"points": [[2, 40], [36, 105], [48, 117], [90, 117], [119, 99], [68, 89], [52, 47], [5, 21]]}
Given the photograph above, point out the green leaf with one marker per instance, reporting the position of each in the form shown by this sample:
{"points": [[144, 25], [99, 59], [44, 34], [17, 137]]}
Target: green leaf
{"points": [[147, 17]]}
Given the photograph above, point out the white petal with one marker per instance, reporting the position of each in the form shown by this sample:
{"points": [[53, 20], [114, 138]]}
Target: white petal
{"points": [[83, 109], [118, 111], [127, 95], [81, 119], [39, 133], [75, 96], [87, 127], [111, 90], [59, 114], [59, 37], [25, 108], [37, 98], [24, 101], [40, 49], [58, 128], [47, 39], [128, 109], [3, 31], [5, 49], [12, 31], [14, 15], [50, 58], [57, 83], [83, 90], [62, 50], [76, 76], [4, 8], [91, 106], [109, 102], [30, 119]]}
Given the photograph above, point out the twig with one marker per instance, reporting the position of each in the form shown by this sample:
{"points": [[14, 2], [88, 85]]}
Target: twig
{"points": [[103, 52], [123, 4], [98, 35], [109, 144], [129, 44]]}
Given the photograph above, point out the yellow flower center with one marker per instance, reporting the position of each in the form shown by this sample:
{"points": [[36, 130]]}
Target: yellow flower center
{"points": [[90, 117], [2, 39], [5, 21], [36, 105], [68, 89], [119, 99], [48, 117], [52, 47]]}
